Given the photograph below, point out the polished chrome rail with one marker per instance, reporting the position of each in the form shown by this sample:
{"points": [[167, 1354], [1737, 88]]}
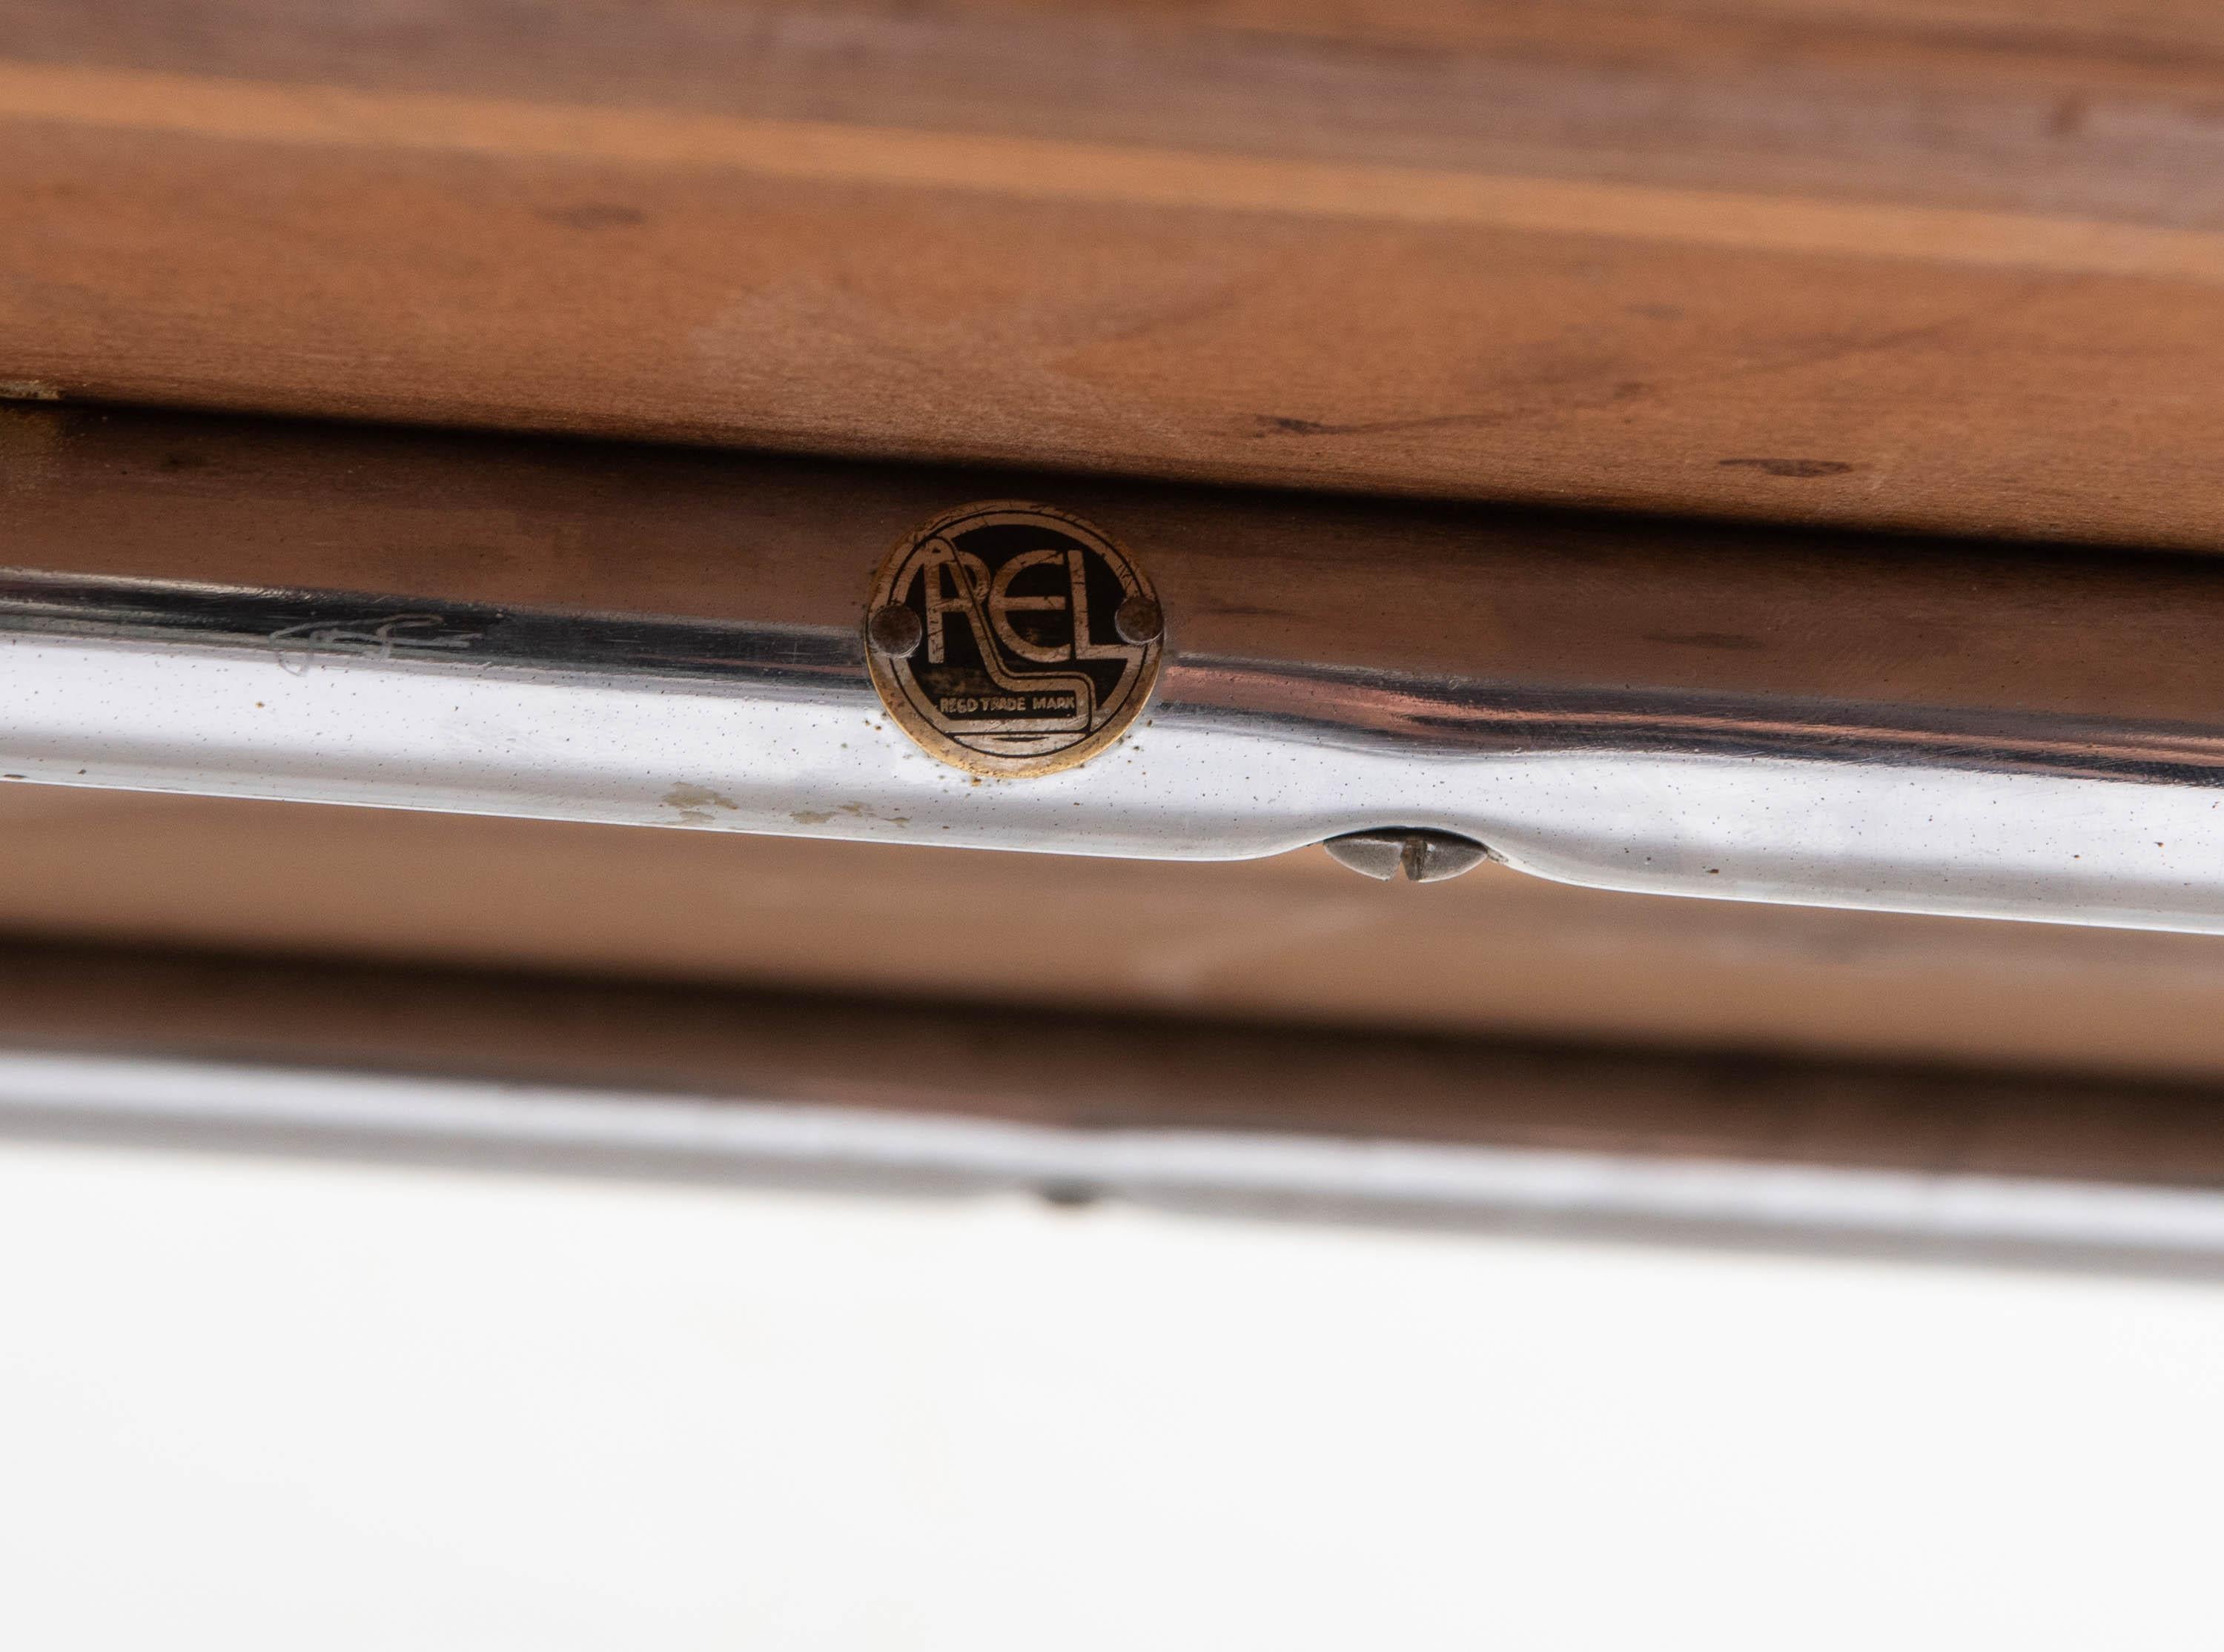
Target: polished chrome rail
{"points": [[1946, 728]]}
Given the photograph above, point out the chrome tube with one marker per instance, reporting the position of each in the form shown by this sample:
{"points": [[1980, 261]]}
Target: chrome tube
{"points": [[2013, 733]]}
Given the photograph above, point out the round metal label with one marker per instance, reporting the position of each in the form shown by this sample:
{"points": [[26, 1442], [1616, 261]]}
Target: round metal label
{"points": [[1012, 639]]}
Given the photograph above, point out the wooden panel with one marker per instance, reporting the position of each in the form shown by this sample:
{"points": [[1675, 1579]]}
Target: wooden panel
{"points": [[1914, 264], [1293, 941], [1098, 1072], [1537, 598]]}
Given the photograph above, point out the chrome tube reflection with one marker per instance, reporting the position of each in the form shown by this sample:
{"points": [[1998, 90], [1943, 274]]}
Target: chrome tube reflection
{"points": [[409, 701]]}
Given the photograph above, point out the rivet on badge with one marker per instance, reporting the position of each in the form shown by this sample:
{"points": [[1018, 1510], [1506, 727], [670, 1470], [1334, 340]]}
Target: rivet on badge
{"points": [[1011, 639]]}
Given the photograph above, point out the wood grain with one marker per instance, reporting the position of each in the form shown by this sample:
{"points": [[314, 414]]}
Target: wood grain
{"points": [[1098, 1072], [1581, 603], [1905, 266], [1295, 942]]}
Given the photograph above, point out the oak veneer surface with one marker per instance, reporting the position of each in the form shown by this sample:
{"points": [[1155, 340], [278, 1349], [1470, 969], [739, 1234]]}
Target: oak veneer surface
{"points": [[1884, 263]]}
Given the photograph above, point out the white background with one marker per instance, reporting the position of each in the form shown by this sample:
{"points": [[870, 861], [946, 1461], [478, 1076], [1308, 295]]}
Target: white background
{"points": [[248, 1405]]}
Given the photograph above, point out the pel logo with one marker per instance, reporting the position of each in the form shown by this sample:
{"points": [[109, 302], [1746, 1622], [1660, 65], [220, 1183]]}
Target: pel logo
{"points": [[1012, 638]]}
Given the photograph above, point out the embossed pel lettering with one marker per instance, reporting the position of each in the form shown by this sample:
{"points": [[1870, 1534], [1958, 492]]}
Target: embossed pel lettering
{"points": [[1012, 639]]}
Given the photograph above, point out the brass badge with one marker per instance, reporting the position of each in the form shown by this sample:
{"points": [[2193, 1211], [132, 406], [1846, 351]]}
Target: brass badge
{"points": [[1012, 638]]}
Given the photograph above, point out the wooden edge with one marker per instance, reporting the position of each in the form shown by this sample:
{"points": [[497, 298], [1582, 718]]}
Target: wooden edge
{"points": [[1100, 1073]]}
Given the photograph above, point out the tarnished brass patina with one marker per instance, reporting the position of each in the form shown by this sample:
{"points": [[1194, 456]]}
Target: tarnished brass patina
{"points": [[1012, 640]]}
